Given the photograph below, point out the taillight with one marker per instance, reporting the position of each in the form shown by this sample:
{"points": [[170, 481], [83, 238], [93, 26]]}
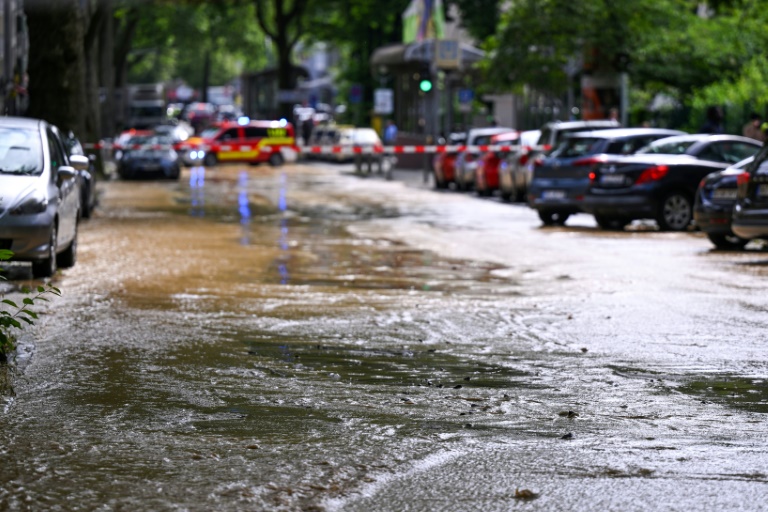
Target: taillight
{"points": [[654, 173], [742, 179], [592, 176], [523, 159], [742, 183]]}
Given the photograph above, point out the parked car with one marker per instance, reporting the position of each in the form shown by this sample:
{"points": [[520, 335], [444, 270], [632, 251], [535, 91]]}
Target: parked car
{"points": [[660, 181], [86, 177], [750, 213], [516, 168], [444, 164], [515, 175], [487, 170], [561, 180], [148, 156], [713, 206], [467, 160], [327, 135], [39, 195]]}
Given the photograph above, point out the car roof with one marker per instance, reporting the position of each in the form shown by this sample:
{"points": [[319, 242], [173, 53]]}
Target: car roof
{"points": [[21, 122], [700, 137], [617, 133], [575, 124], [488, 130]]}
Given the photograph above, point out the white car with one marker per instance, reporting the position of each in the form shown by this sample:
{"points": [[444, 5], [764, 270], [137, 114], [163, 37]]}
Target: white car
{"points": [[39, 195], [467, 160]]}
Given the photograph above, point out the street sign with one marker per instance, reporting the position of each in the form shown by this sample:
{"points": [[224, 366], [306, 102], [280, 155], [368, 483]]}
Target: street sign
{"points": [[448, 54], [383, 101], [356, 93], [465, 100]]}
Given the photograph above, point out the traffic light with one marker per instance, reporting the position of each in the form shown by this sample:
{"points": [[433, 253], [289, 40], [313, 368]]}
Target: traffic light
{"points": [[425, 85]]}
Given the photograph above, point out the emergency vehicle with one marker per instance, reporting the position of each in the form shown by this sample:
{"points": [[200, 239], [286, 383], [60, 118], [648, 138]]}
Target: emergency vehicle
{"points": [[240, 141]]}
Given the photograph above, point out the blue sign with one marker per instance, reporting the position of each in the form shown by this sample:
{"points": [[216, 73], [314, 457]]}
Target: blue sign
{"points": [[466, 95], [356, 93]]}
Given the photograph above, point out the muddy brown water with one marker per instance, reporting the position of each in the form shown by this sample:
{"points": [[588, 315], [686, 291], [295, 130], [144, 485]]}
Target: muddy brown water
{"points": [[299, 338]]}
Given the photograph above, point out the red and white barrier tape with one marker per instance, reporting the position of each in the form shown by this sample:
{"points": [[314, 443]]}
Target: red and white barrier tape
{"points": [[354, 150]]}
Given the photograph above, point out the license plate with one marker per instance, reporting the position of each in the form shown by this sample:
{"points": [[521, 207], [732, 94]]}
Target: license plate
{"points": [[612, 179], [724, 193], [762, 190], [553, 194]]}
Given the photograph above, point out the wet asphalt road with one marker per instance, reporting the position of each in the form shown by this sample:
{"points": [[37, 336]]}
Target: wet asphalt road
{"points": [[303, 338]]}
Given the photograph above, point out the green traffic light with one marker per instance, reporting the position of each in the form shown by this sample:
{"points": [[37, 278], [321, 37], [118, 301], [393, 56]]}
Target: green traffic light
{"points": [[425, 85]]}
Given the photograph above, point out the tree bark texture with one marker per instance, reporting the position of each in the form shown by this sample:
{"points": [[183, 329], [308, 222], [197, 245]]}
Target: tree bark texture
{"points": [[57, 65]]}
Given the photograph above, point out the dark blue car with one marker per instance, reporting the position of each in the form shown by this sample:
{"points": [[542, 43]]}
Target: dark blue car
{"points": [[561, 179]]}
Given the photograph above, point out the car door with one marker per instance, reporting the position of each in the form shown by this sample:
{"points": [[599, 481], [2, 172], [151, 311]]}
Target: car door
{"points": [[67, 189], [229, 142]]}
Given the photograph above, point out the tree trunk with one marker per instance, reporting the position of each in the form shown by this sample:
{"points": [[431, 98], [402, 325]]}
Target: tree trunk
{"points": [[206, 75], [107, 71], [57, 64]]}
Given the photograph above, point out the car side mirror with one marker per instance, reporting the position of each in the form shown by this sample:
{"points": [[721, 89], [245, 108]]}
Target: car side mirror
{"points": [[79, 162], [65, 173]]}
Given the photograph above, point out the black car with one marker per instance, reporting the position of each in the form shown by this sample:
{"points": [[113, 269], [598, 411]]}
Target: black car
{"points": [[750, 213], [660, 181], [86, 177], [713, 205], [148, 156], [560, 180]]}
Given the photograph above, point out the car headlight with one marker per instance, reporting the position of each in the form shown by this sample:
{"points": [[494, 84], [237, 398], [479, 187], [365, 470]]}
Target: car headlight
{"points": [[30, 205]]}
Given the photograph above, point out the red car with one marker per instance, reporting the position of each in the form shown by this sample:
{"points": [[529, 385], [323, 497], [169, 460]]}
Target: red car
{"points": [[487, 170], [444, 164]]}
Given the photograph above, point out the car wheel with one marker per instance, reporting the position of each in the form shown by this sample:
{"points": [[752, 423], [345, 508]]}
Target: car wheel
{"points": [[675, 212], [68, 258], [47, 266], [611, 223], [553, 218], [276, 160], [175, 173], [727, 242], [210, 160]]}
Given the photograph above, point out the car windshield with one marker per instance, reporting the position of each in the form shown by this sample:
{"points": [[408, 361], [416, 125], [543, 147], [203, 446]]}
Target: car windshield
{"points": [[20, 151], [677, 147], [577, 146], [150, 140]]}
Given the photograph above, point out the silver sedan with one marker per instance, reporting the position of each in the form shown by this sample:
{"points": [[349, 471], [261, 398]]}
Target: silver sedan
{"points": [[39, 195]]}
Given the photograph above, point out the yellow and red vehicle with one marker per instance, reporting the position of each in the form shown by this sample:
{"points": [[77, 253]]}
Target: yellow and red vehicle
{"points": [[239, 141]]}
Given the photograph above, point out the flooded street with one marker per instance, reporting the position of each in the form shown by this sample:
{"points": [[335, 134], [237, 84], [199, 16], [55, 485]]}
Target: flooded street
{"points": [[300, 338]]}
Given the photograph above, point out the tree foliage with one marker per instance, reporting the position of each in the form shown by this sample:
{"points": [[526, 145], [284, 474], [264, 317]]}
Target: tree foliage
{"points": [[675, 46]]}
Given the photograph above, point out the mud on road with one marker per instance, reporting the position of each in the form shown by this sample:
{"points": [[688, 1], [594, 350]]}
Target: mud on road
{"points": [[299, 338]]}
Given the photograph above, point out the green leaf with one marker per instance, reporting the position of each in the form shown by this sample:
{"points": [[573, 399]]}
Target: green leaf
{"points": [[27, 320], [10, 303], [41, 289], [5, 254], [29, 313], [28, 301]]}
